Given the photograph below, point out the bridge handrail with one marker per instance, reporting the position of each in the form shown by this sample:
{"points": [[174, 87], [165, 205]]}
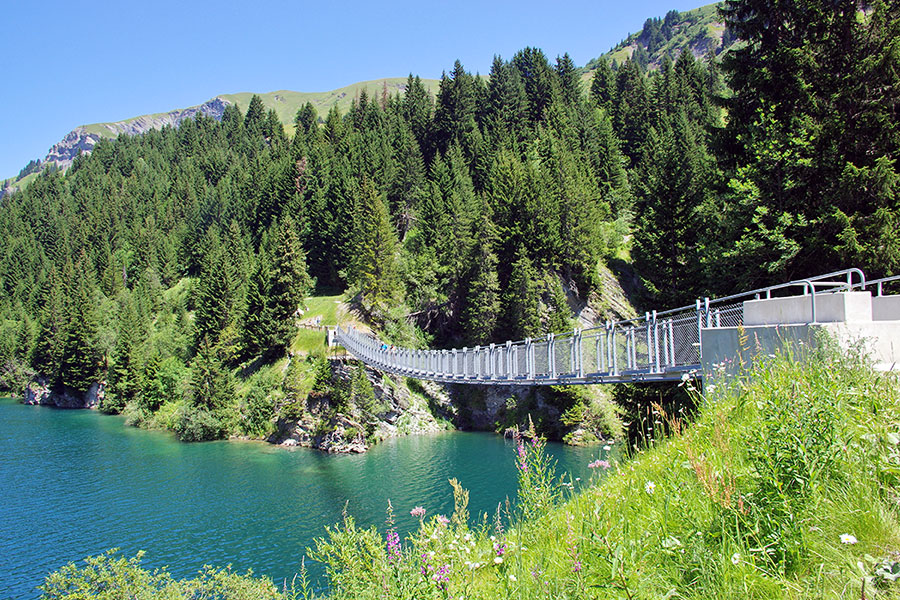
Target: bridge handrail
{"points": [[655, 343], [879, 283]]}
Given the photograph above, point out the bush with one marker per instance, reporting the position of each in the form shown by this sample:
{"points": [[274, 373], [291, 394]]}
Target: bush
{"points": [[196, 424]]}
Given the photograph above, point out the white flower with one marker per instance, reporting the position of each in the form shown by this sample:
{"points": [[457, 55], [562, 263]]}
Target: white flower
{"points": [[650, 487], [736, 558], [846, 538], [607, 447], [497, 560], [512, 577]]}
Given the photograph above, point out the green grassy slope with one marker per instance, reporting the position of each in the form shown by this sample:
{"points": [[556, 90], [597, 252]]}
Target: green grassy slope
{"points": [[693, 29], [286, 102]]}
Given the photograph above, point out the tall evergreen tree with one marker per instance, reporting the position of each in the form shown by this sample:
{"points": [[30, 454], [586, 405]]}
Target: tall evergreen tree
{"points": [[522, 299], [374, 265]]}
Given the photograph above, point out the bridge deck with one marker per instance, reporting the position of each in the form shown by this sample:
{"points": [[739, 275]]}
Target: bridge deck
{"points": [[661, 346]]}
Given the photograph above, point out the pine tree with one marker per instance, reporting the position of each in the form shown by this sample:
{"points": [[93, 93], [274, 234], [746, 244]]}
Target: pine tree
{"points": [[482, 312], [522, 299], [289, 284], [374, 265], [80, 359]]}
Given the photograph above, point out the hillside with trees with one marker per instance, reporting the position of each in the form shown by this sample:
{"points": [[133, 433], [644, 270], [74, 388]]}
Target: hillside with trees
{"points": [[172, 264]]}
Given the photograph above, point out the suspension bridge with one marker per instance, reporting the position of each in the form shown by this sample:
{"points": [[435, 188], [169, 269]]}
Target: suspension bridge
{"points": [[660, 346]]}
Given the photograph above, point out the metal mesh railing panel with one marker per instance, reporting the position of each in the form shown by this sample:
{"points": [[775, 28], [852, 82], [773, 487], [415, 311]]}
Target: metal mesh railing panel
{"points": [[729, 315], [685, 345]]}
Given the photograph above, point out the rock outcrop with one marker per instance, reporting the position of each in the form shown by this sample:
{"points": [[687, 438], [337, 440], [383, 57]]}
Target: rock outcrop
{"points": [[39, 392], [80, 140], [394, 411]]}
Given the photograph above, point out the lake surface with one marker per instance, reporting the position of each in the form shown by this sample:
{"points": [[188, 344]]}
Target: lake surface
{"points": [[76, 483]]}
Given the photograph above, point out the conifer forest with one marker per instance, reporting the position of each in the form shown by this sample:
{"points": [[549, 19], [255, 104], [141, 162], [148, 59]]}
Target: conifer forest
{"points": [[169, 264]]}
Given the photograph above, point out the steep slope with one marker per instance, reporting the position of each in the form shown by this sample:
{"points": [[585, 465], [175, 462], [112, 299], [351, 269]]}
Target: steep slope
{"points": [[700, 30]]}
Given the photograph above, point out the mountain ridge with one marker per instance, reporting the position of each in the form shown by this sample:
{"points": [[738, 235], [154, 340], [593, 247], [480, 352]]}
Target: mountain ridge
{"points": [[699, 30], [285, 103]]}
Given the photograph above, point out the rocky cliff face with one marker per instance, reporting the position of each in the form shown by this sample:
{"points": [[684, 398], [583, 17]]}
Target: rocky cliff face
{"points": [[80, 140], [394, 411], [39, 392]]}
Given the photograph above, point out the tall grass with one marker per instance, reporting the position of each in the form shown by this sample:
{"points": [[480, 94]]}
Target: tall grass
{"points": [[785, 486]]}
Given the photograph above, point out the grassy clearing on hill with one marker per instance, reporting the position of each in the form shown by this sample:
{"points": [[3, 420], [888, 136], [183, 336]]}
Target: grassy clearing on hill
{"points": [[786, 486]]}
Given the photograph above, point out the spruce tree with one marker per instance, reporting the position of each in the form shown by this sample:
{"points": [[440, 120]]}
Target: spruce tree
{"points": [[80, 359], [289, 284], [522, 299], [482, 312], [374, 264]]}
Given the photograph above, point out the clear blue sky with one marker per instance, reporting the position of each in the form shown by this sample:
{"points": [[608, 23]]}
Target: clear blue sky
{"points": [[79, 62]]}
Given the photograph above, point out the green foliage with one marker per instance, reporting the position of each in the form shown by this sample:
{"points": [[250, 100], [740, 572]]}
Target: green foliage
{"points": [[109, 576], [208, 410]]}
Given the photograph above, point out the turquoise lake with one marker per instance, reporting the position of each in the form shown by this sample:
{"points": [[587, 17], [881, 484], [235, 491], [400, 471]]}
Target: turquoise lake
{"points": [[76, 483]]}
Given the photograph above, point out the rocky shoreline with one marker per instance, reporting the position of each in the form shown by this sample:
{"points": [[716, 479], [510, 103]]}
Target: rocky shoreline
{"points": [[397, 408]]}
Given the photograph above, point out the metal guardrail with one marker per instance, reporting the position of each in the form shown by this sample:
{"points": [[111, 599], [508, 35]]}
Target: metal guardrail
{"points": [[660, 346]]}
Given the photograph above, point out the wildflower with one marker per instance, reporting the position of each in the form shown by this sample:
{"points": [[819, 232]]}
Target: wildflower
{"points": [[393, 546], [521, 462], [846, 538], [497, 560], [418, 512], [512, 577], [441, 577], [736, 559], [500, 549], [650, 487], [607, 447], [599, 464], [442, 520]]}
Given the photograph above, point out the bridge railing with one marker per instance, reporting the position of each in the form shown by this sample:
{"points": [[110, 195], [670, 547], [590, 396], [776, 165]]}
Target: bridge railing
{"points": [[659, 345]]}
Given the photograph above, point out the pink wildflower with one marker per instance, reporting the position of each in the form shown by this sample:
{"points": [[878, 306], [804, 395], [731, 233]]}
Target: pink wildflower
{"points": [[597, 464], [418, 512], [393, 546]]}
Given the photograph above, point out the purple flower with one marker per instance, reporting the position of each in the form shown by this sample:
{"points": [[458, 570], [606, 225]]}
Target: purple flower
{"points": [[418, 512], [500, 548], [441, 577], [442, 520], [521, 463], [393, 546]]}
